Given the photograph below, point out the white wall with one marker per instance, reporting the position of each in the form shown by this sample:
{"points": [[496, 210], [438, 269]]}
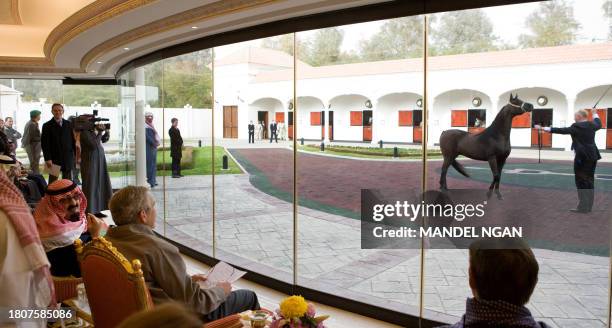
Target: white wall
{"points": [[307, 105], [440, 115], [386, 117]]}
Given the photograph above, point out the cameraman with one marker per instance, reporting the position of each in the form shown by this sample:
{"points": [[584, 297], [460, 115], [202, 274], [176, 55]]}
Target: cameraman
{"points": [[94, 173]]}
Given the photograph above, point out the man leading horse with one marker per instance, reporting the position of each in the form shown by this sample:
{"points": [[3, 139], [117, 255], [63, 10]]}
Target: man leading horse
{"points": [[586, 155]]}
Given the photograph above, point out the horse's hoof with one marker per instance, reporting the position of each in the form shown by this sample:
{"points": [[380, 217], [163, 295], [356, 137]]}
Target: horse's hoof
{"points": [[500, 197]]}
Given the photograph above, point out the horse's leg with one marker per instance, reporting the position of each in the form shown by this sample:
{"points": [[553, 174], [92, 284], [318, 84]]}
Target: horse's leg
{"points": [[445, 165], [494, 170], [501, 161]]}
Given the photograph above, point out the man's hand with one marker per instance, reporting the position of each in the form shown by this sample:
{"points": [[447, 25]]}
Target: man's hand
{"points": [[95, 226], [227, 287], [537, 126], [198, 277], [49, 163]]}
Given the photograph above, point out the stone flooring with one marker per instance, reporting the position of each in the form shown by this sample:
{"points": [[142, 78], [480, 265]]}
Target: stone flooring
{"points": [[254, 230]]}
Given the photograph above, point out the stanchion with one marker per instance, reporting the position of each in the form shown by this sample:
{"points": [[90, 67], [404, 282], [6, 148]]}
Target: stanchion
{"points": [[539, 145]]}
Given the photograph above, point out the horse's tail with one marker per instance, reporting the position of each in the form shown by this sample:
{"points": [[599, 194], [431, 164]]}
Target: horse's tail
{"points": [[459, 168]]}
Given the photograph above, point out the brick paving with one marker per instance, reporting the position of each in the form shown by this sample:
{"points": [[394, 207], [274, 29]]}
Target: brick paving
{"points": [[254, 229]]}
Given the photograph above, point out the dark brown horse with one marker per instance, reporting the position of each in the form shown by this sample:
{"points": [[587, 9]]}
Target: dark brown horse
{"points": [[492, 144]]}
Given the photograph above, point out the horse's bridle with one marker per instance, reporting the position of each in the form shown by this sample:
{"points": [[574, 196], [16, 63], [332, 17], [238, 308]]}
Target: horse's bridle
{"points": [[517, 106]]}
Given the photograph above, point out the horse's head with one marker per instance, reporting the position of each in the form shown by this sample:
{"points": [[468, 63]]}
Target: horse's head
{"points": [[516, 106]]}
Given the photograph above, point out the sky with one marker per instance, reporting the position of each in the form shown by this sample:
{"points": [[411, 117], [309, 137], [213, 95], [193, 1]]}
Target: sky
{"points": [[508, 24]]}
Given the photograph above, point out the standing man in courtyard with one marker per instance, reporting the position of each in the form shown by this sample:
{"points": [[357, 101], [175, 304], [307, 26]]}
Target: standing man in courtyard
{"points": [[58, 144], [12, 134], [586, 155], [153, 141], [251, 132], [176, 148], [31, 141], [273, 129]]}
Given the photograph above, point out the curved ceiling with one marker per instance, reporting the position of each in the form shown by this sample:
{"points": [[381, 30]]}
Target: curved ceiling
{"points": [[94, 38]]}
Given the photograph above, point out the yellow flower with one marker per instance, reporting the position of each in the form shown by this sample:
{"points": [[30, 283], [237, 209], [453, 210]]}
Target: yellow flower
{"points": [[293, 307]]}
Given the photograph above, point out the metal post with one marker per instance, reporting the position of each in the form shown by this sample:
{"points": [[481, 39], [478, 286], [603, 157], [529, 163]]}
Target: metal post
{"points": [[395, 152], [322, 146], [225, 163], [380, 143]]}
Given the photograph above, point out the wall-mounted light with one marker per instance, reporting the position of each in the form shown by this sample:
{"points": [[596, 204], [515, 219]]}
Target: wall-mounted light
{"points": [[419, 103], [368, 103], [290, 107], [329, 106], [476, 101], [542, 100]]}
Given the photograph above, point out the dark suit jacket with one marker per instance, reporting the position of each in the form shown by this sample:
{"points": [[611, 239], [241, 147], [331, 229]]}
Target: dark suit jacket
{"points": [[251, 128], [57, 143], [176, 142], [583, 138], [273, 127]]}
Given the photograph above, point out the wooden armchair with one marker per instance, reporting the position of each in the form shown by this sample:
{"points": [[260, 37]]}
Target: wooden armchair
{"points": [[65, 287], [115, 287]]}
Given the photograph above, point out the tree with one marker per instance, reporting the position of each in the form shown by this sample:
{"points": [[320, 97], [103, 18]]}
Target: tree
{"points": [[552, 24], [465, 31], [398, 38], [324, 48], [607, 8]]}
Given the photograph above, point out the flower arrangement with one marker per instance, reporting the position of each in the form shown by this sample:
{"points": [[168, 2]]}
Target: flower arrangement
{"points": [[295, 312]]}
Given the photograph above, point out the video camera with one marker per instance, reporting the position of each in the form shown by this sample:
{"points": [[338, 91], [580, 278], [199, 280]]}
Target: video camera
{"points": [[88, 122]]}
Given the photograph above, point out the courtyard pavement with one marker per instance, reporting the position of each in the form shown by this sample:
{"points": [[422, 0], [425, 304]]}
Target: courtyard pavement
{"points": [[254, 230]]}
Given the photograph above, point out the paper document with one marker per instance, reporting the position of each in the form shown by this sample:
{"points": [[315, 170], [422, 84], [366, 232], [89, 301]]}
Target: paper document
{"points": [[54, 170], [221, 272]]}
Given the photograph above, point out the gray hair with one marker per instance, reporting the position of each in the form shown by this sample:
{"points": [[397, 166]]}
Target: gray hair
{"points": [[582, 113], [128, 202]]}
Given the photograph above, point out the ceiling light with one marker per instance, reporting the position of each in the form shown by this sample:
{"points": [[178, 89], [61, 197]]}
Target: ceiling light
{"points": [[99, 62], [126, 48], [93, 71], [194, 27]]}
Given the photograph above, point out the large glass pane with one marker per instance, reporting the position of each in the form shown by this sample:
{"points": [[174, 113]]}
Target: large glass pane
{"points": [[549, 55], [359, 91], [187, 170], [254, 194], [127, 106]]}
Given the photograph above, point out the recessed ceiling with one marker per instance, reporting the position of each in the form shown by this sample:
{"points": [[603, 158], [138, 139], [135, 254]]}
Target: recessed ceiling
{"points": [[87, 38]]}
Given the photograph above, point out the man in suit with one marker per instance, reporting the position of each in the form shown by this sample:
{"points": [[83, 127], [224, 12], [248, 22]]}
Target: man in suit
{"points": [[273, 128], [58, 144], [586, 155], [251, 132], [176, 148]]}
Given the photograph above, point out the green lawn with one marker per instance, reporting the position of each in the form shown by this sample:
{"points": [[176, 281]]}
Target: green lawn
{"points": [[369, 152], [202, 163]]}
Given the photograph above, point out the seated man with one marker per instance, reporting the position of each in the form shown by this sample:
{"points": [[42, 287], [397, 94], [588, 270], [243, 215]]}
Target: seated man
{"points": [[61, 219], [134, 213], [29, 188], [502, 276]]}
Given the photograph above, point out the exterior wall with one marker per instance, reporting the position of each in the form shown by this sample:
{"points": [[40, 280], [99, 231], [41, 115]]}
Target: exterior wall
{"points": [[386, 117], [443, 104], [307, 105], [560, 83]]}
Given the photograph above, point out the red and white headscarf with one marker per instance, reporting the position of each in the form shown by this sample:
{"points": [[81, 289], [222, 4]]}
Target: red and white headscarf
{"points": [[55, 229], [18, 213]]}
